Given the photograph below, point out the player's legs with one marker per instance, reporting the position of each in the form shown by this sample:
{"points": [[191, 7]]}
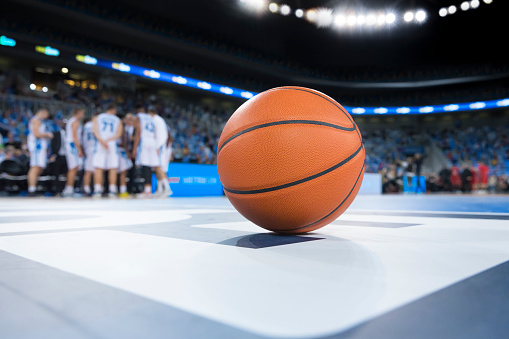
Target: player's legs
{"points": [[87, 180], [98, 181], [163, 187], [122, 184], [33, 177], [38, 160], [112, 179], [73, 164], [147, 159]]}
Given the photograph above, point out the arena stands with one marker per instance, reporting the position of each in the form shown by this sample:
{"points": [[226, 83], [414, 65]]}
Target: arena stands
{"points": [[196, 131]]}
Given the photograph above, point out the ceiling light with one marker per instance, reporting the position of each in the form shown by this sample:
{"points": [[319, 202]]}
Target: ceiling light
{"points": [[273, 7], [299, 13], [285, 9], [390, 18], [442, 12], [452, 9], [409, 16], [465, 6], [420, 16]]}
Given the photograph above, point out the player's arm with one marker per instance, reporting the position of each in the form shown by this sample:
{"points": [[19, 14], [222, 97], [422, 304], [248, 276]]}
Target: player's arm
{"points": [[136, 137], [76, 138], [36, 125], [95, 130], [118, 133]]}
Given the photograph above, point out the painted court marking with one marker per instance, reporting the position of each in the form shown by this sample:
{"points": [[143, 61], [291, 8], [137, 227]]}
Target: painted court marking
{"points": [[351, 275]]}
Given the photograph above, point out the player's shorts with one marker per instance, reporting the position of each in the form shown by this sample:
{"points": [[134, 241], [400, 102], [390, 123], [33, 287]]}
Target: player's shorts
{"points": [[106, 158], [88, 164], [72, 157], [147, 154], [38, 154], [164, 157], [124, 162]]}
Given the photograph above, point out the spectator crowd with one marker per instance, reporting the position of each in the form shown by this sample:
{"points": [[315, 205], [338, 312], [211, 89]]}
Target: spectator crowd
{"points": [[477, 158]]}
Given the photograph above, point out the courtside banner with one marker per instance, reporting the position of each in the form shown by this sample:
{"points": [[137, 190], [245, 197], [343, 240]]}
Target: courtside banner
{"points": [[194, 180]]}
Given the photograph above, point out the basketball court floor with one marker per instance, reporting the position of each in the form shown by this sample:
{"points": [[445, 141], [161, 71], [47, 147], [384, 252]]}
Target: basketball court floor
{"points": [[390, 267]]}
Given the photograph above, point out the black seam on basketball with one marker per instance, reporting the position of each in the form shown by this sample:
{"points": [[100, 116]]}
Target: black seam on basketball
{"points": [[328, 99], [334, 210], [300, 181], [286, 122]]}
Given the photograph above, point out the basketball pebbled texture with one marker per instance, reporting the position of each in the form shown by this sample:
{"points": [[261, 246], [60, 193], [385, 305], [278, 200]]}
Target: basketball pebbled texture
{"points": [[291, 160]]}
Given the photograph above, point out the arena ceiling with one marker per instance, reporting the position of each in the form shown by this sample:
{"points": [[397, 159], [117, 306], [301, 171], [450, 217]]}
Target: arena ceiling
{"points": [[472, 39]]}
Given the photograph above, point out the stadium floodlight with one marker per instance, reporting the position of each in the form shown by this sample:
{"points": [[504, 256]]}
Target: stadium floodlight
{"points": [[65, 70], [380, 19], [273, 7], [324, 17], [33, 87], [409, 16], [45, 89], [256, 5], [358, 110], [361, 20], [340, 20], [487, 2], [299, 13], [371, 19], [451, 9], [390, 18], [476, 3], [420, 15], [442, 12], [311, 15], [351, 20], [285, 10], [465, 6]]}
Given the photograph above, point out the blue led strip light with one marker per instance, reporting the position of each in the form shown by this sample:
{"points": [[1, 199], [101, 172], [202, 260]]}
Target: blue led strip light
{"points": [[170, 78], [465, 106], [239, 93]]}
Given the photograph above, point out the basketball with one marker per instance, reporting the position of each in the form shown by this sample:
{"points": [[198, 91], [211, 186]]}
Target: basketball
{"points": [[291, 160]]}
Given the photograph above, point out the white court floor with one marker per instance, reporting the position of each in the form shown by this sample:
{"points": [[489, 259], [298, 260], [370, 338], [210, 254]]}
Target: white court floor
{"points": [[390, 267]]}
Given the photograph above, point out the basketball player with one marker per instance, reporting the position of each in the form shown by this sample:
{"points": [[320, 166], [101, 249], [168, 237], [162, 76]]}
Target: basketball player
{"points": [[88, 144], [145, 147], [107, 129], [73, 149], [125, 164], [163, 138], [37, 143]]}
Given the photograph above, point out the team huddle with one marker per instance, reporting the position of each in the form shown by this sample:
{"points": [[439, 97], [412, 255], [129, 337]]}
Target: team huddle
{"points": [[105, 145]]}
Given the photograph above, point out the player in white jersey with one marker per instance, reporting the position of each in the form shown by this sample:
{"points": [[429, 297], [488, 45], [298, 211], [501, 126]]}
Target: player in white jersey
{"points": [[37, 143], [145, 147], [107, 129], [162, 138], [88, 144], [73, 149]]}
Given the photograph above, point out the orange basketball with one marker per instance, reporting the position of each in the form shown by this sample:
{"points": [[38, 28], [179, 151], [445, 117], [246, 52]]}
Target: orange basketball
{"points": [[291, 159]]}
